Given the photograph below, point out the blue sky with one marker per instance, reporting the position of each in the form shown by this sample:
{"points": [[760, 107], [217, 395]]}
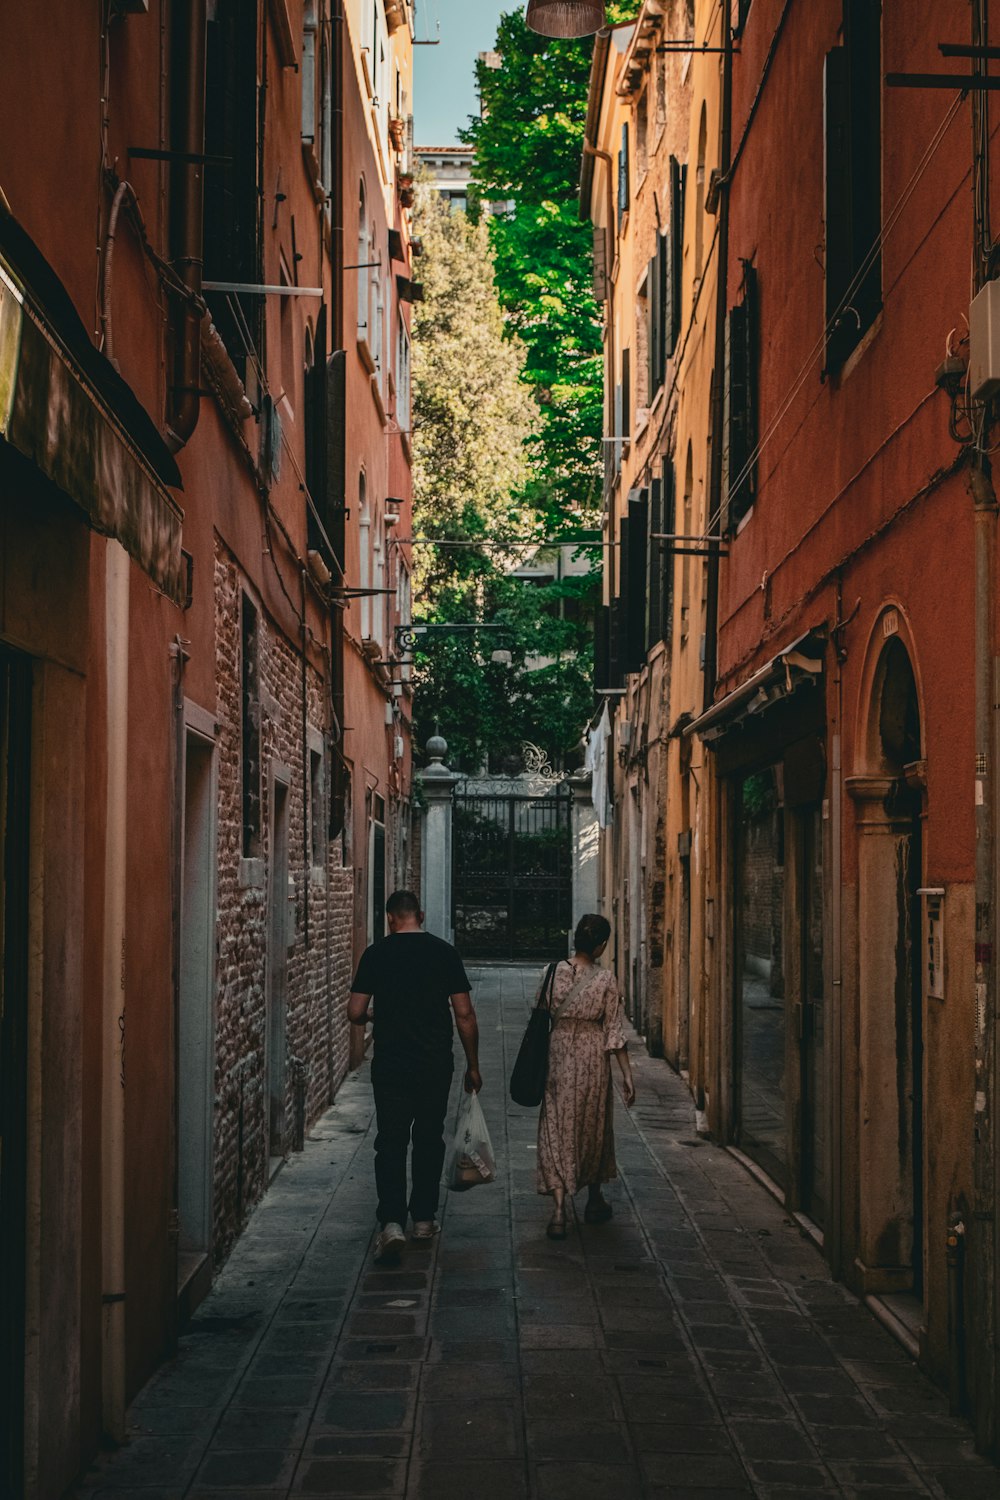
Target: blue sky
{"points": [[444, 82]]}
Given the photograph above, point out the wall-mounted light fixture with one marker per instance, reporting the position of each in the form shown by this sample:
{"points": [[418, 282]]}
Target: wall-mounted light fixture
{"points": [[565, 17]]}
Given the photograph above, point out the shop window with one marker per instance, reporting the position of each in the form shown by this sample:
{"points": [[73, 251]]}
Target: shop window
{"points": [[760, 983]]}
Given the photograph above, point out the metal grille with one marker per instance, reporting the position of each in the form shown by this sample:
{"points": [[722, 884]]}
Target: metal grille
{"points": [[512, 873]]}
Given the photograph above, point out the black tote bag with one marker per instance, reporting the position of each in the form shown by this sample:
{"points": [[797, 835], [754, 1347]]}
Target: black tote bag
{"points": [[527, 1081]]}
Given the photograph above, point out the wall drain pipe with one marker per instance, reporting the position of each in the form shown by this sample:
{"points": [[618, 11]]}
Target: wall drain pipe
{"points": [[188, 215]]}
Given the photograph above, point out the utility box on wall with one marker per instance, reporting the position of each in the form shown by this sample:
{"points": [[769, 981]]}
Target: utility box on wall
{"points": [[984, 343]]}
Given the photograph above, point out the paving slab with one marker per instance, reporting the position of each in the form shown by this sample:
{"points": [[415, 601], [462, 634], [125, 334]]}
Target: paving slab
{"points": [[692, 1347]]}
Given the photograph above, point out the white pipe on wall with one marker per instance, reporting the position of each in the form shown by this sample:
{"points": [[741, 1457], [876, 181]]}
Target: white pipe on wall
{"points": [[113, 1018]]}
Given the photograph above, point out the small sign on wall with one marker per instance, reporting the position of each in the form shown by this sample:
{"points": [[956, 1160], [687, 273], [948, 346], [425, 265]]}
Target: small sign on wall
{"points": [[934, 939]]}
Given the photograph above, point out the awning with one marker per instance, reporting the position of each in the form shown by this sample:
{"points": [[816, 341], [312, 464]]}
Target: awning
{"points": [[798, 665], [66, 408]]}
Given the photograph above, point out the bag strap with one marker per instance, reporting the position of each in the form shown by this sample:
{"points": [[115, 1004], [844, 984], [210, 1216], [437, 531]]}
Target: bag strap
{"points": [[577, 989], [545, 998]]}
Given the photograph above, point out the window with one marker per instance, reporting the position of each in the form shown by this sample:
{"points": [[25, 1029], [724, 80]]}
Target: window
{"points": [[742, 10], [404, 606], [317, 811], [403, 376], [675, 255], [623, 177], [687, 529], [642, 134], [376, 324], [632, 581], [315, 416], [250, 728], [852, 106], [308, 66], [231, 222], [365, 559], [645, 334], [661, 91], [363, 258], [740, 402], [289, 368]]}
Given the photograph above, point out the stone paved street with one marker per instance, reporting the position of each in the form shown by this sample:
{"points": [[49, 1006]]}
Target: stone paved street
{"points": [[694, 1347]]}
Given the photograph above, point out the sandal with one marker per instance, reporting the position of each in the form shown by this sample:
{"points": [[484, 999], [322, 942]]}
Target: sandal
{"points": [[597, 1211], [556, 1228]]}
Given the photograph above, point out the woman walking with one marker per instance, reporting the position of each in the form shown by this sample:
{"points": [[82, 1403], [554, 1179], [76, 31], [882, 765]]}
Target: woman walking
{"points": [[576, 1142]]}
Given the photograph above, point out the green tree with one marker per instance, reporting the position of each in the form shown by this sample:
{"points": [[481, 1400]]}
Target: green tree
{"points": [[528, 143], [472, 412], [487, 709]]}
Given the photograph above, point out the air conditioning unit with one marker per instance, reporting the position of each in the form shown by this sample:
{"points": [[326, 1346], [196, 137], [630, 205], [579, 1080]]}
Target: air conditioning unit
{"points": [[400, 748]]}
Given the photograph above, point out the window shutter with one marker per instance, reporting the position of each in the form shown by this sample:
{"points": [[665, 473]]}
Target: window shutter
{"points": [[751, 332], [668, 324], [316, 427], [839, 237], [735, 426], [618, 425], [600, 264], [623, 643], [863, 37], [678, 183], [623, 176], [602, 648], [654, 566], [652, 330], [739, 462], [668, 508], [635, 557], [626, 430]]}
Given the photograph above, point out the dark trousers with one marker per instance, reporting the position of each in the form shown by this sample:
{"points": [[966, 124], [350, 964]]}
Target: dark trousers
{"points": [[408, 1111]]}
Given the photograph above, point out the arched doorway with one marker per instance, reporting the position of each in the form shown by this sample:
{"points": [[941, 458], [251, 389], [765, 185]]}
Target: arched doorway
{"points": [[890, 800]]}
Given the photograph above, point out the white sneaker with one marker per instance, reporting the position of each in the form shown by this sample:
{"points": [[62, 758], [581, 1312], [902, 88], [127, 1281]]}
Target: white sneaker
{"points": [[388, 1244], [425, 1229]]}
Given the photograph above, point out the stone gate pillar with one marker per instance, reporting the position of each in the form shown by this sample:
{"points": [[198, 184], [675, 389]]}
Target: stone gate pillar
{"points": [[586, 847], [437, 784]]}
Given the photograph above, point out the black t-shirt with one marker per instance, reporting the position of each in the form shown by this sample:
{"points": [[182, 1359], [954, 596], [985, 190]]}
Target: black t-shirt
{"points": [[411, 976]]}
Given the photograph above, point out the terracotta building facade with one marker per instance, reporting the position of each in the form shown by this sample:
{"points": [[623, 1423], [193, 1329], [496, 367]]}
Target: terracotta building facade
{"points": [[828, 736], [204, 735]]}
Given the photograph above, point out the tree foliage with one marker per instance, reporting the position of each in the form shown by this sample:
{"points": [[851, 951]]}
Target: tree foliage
{"points": [[472, 413], [485, 709], [529, 143]]}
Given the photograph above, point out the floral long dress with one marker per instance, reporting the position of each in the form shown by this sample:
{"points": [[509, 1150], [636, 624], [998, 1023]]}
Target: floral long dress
{"points": [[576, 1142]]}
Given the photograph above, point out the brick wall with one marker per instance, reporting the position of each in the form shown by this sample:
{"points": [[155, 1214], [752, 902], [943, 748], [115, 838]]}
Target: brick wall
{"points": [[318, 971]]}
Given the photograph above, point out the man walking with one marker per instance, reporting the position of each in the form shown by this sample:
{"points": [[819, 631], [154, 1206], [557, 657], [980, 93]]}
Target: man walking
{"points": [[413, 977]]}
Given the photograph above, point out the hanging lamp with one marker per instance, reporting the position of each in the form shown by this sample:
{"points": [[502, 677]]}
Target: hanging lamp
{"points": [[565, 17]]}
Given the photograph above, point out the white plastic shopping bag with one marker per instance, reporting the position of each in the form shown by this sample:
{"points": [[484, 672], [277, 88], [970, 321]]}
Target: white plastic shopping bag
{"points": [[472, 1160]]}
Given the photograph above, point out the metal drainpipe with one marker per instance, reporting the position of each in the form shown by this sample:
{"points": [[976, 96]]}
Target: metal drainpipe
{"points": [[188, 214], [985, 1181], [116, 646], [711, 1074], [955, 1256], [718, 407]]}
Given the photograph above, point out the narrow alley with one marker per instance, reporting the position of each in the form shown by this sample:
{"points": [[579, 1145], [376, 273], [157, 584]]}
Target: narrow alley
{"points": [[694, 1346]]}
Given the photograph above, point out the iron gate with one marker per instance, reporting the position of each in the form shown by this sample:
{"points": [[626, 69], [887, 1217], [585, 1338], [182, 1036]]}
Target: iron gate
{"points": [[512, 870]]}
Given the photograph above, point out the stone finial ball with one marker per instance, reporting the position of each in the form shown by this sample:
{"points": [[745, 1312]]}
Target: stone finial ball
{"points": [[437, 747]]}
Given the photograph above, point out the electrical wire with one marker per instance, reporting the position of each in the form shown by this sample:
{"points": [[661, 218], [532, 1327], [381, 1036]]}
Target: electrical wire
{"points": [[845, 302]]}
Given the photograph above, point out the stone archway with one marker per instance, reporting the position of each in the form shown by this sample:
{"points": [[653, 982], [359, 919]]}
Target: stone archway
{"points": [[890, 808]]}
